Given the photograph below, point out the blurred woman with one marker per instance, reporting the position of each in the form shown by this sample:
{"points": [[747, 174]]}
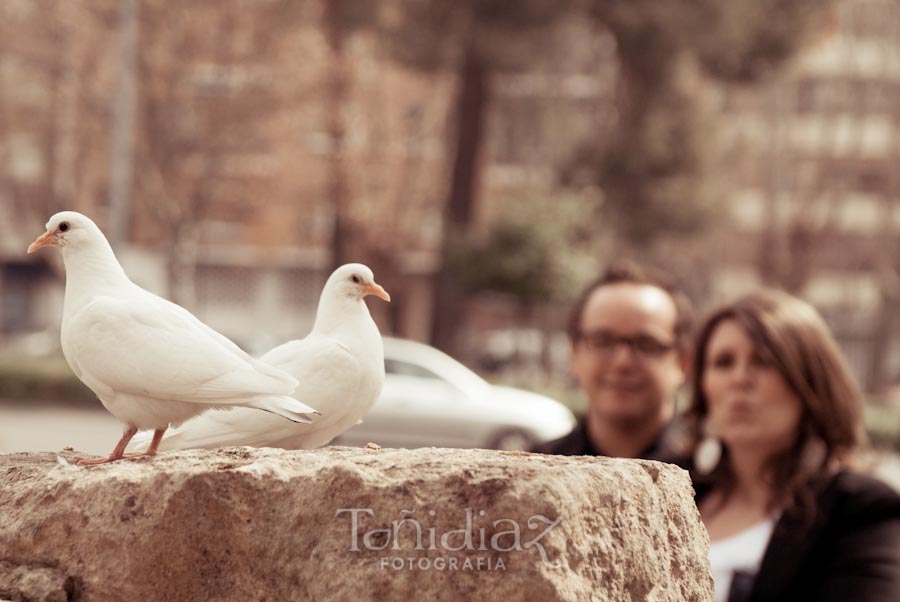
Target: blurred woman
{"points": [[776, 418]]}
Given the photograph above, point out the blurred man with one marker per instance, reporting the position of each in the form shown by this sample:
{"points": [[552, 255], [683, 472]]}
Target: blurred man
{"points": [[628, 333]]}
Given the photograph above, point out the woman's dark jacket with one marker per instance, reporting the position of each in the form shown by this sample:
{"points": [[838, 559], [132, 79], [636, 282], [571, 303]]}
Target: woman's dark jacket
{"points": [[848, 551]]}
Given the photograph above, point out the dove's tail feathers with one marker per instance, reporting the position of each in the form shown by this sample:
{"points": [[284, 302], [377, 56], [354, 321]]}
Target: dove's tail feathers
{"points": [[199, 434], [141, 441], [286, 407], [217, 428]]}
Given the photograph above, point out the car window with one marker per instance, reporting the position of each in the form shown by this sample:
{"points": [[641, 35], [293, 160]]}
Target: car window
{"points": [[407, 369]]}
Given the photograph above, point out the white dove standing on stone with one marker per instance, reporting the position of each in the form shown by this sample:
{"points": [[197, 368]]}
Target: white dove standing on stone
{"points": [[150, 361], [340, 366]]}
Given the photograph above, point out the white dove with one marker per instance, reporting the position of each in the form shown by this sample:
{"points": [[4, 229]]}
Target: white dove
{"points": [[340, 366], [150, 361]]}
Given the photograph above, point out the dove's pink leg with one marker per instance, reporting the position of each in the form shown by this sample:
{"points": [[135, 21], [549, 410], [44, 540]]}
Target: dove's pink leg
{"points": [[157, 437], [117, 454], [151, 451]]}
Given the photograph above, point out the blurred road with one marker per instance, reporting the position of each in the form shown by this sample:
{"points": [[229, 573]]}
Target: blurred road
{"points": [[47, 427], [43, 427]]}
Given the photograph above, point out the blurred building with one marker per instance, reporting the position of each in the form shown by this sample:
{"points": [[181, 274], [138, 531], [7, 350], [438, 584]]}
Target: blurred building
{"points": [[224, 147], [815, 195], [807, 166], [228, 204], [540, 116], [26, 287]]}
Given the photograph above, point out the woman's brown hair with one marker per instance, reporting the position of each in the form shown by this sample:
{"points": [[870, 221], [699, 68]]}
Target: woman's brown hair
{"points": [[792, 335]]}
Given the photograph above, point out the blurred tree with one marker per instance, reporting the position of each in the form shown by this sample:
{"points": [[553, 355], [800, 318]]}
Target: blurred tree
{"points": [[475, 39], [656, 171], [51, 98], [340, 18], [812, 188], [885, 326], [202, 103], [744, 41], [883, 332], [802, 212], [538, 251], [397, 217]]}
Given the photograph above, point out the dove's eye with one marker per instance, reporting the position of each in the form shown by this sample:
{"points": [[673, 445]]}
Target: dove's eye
{"points": [[63, 227], [356, 279]]}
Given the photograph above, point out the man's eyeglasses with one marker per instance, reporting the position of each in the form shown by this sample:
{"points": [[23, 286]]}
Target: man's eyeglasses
{"points": [[603, 341]]}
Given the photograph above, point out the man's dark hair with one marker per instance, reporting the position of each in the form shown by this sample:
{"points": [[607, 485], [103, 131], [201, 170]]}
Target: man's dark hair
{"points": [[630, 272]]}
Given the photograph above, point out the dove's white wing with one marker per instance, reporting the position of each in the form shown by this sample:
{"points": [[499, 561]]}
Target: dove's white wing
{"points": [[225, 341], [327, 372], [143, 347], [263, 367]]}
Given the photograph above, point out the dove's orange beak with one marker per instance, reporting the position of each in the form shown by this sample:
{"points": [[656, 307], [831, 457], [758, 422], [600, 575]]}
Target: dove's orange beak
{"points": [[47, 239], [375, 289]]}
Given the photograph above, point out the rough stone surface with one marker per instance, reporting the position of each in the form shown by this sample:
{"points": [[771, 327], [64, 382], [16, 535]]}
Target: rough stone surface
{"points": [[263, 524], [37, 583]]}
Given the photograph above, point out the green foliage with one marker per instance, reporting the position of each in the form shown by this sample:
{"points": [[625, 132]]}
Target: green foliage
{"points": [[883, 425], [42, 379], [536, 251]]}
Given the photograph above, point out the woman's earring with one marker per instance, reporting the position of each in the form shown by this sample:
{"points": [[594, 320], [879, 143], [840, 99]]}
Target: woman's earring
{"points": [[708, 453], [813, 454]]}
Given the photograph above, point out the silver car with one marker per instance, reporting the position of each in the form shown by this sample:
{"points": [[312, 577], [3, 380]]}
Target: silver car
{"points": [[430, 399]]}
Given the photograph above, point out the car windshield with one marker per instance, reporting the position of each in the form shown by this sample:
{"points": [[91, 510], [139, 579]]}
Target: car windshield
{"points": [[406, 358], [407, 369]]}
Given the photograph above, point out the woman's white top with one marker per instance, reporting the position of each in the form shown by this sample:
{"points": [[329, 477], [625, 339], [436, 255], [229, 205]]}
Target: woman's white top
{"points": [[741, 552]]}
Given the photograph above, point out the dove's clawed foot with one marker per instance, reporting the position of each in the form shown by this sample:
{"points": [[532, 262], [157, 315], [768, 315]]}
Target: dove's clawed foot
{"points": [[157, 437], [154, 444], [117, 454], [82, 461]]}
